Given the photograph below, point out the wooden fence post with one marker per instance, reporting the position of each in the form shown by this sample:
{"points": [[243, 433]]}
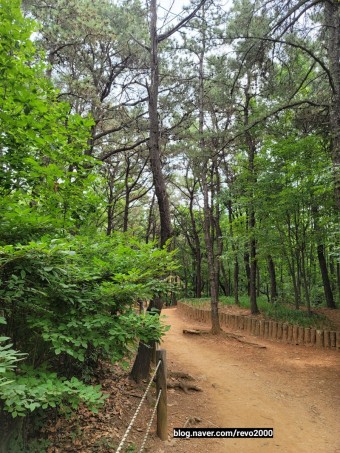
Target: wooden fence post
{"points": [[162, 408]]}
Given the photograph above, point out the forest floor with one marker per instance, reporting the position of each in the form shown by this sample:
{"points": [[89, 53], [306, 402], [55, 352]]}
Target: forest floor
{"points": [[293, 389]]}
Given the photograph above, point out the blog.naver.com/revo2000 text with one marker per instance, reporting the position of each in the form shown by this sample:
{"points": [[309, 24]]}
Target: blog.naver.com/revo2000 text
{"points": [[221, 433]]}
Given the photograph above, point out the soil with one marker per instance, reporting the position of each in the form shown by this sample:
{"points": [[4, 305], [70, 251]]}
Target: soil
{"points": [[293, 389]]}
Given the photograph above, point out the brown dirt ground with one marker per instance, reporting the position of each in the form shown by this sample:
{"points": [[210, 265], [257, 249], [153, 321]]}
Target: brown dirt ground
{"points": [[293, 389]]}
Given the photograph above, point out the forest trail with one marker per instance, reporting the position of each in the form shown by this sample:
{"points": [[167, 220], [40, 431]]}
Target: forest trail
{"points": [[293, 389]]}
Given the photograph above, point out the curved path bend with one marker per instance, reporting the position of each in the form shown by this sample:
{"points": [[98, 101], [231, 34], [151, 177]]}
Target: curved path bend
{"points": [[293, 389]]}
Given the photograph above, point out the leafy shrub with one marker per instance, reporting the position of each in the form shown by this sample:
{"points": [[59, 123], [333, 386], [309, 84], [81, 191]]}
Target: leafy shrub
{"points": [[68, 304]]}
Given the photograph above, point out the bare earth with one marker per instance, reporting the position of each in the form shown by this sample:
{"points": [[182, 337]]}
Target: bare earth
{"points": [[293, 389]]}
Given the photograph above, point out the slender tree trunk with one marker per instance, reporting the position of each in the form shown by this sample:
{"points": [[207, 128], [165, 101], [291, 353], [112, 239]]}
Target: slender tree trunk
{"points": [[198, 274], [305, 280], [332, 22], [236, 285], [322, 262], [253, 258], [213, 277], [251, 150], [198, 253], [235, 257], [109, 228], [141, 365], [154, 148], [126, 211], [208, 214], [127, 196], [247, 269], [272, 276], [325, 278], [258, 281], [294, 270], [216, 219], [224, 280], [150, 220]]}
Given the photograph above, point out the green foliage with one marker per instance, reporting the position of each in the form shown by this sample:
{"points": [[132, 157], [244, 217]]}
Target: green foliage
{"points": [[32, 390], [284, 313], [66, 300], [43, 169], [8, 358], [68, 303]]}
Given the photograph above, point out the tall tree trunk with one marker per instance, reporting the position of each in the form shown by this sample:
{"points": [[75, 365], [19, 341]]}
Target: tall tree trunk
{"points": [[294, 258], [236, 285], [247, 269], [235, 257], [153, 144], [151, 222], [325, 278], [109, 227], [208, 214], [127, 196], [198, 253], [126, 211], [272, 276], [332, 22], [213, 277], [154, 148], [198, 274], [305, 280], [251, 149], [322, 262], [217, 222]]}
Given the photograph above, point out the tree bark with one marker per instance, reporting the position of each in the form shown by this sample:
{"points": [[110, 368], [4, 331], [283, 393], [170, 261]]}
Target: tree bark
{"points": [[208, 214], [141, 366], [272, 276], [198, 253], [325, 277], [247, 269], [154, 148], [236, 265], [332, 22], [251, 149], [322, 262]]}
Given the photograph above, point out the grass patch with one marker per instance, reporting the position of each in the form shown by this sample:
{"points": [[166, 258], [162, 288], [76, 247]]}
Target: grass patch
{"points": [[276, 312]]}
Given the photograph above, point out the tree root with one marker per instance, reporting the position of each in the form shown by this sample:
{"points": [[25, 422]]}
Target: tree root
{"points": [[195, 331], [183, 386], [175, 381], [239, 338]]}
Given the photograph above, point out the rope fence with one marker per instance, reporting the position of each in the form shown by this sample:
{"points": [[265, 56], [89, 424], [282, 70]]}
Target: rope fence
{"points": [[160, 405], [150, 423]]}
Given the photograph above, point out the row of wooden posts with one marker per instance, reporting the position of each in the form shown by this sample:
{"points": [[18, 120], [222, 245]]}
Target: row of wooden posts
{"points": [[283, 332]]}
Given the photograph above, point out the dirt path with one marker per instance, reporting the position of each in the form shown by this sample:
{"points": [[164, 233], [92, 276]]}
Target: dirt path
{"points": [[294, 390]]}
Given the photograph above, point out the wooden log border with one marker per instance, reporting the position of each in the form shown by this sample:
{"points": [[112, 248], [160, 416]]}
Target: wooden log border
{"points": [[271, 330]]}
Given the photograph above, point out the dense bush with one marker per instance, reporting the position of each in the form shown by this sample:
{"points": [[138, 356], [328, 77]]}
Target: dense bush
{"points": [[68, 304]]}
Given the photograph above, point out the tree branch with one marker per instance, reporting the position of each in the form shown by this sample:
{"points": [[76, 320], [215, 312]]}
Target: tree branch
{"points": [[265, 117], [173, 30], [124, 148], [295, 45]]}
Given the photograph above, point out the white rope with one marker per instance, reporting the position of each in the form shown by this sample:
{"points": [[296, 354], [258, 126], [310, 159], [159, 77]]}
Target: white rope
{"points": [[150, 423], [120, 446]]}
